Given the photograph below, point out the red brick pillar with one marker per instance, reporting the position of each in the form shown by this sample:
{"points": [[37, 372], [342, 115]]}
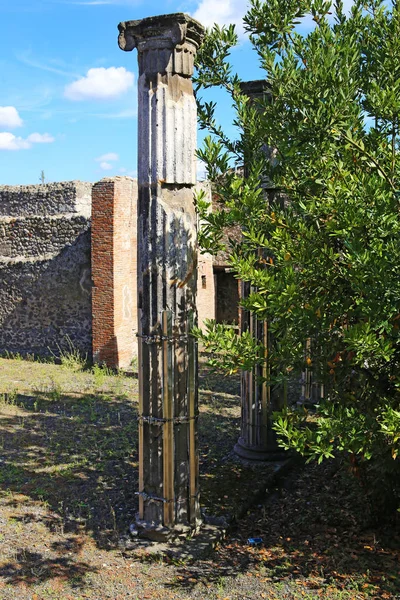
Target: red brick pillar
{"points": [[114, 205]]}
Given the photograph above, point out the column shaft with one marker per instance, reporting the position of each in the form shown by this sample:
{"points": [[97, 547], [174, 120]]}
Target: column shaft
{"points": [[257, 439], [167, 272]]}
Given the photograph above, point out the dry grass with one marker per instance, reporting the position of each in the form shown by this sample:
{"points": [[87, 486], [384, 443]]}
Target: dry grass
{"points": [[68, 476]]}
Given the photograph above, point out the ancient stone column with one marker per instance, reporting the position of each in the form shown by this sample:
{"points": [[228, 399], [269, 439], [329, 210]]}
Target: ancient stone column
{"points": [[167, 271], [259, 399]]}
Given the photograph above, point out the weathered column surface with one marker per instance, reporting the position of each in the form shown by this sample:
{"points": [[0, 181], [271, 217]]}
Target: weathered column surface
{"points": [[259, 399], [167, 271], [257, 439]]}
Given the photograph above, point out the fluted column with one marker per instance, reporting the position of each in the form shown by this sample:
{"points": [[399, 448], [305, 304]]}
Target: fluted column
{"points": [[167, 272], [257, 441]]}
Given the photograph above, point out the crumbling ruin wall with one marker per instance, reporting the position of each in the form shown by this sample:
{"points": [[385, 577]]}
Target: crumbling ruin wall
{"points": [[68, 270], [45, 270]]}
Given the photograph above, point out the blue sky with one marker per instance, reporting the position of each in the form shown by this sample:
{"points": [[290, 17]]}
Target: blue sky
{"points": [[68, 93]]}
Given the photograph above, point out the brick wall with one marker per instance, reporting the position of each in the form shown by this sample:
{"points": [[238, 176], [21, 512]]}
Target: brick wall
{"points": [[205, 289], [114, 311], [206, 304]]}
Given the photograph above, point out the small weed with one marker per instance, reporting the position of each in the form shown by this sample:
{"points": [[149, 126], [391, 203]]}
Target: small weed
{"points": [[39, 388], [71, 358], [100, 372], [221, 584], [55, 391], [99, 375], [12, 355], [43, 500], [177, 562], [9, 398], [119, 384]]}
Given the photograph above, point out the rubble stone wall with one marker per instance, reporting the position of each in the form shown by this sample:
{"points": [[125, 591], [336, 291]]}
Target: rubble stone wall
{"points": [[45, 268]]}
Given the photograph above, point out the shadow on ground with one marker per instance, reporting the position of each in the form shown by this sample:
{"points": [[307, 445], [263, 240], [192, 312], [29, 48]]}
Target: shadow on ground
{"points": [[69, 469], [317, 535], [77, 454], [30, 568]]}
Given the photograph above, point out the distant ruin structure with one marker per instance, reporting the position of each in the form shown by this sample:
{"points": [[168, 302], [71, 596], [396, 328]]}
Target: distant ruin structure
{"points": [[68, 270]]}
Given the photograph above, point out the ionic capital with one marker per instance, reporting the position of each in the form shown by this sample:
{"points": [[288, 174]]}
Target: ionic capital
{"points": [[165, 43]]}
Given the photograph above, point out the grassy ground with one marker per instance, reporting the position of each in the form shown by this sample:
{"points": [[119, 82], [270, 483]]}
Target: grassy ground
{"points": [[68, 476]]}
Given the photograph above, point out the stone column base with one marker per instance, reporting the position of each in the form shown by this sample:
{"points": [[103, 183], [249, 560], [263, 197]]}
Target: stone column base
{"points": [[158, 533], [259, 453]]}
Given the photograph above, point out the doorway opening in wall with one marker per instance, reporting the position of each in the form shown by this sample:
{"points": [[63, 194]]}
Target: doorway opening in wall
{"points": [[226, 297]]}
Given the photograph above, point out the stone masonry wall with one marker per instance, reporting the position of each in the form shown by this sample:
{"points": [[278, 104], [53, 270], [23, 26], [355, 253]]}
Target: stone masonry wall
{"points": [[45, 271], [68, 270], [70, 197]]}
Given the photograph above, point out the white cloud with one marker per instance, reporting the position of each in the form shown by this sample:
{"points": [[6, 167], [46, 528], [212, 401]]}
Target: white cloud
{"points": [[40, 138], [8, 141], [106, 161], [111, 156], [225, 12], [100, 84], [222, 12], [307, 23], [106, 166], [9, 117]]}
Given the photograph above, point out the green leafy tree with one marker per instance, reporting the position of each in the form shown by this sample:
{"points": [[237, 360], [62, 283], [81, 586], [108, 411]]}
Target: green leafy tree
{"points": [[318, 204]]}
